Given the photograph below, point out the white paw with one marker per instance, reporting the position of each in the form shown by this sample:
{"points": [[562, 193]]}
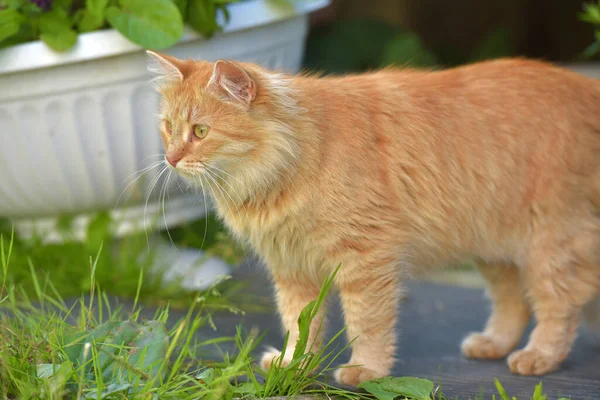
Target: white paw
{"points": [[352, 376], [272, 356]]}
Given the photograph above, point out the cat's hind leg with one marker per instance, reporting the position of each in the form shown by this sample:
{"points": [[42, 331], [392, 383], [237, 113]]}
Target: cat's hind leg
{"points": [[509, 318], [561, 276], [591, 316]]}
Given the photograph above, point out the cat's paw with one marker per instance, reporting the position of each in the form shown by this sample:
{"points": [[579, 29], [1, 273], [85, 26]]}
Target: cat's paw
{"points": [[483, 347], [352, 376], [271, 356], [532, 362]]}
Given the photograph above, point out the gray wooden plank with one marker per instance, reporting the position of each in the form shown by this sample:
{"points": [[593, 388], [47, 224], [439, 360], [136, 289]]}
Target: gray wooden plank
{"points": [[433, 321]]}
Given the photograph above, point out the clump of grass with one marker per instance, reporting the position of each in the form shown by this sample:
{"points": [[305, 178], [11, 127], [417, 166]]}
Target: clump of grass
{"points": [[51, 351]]}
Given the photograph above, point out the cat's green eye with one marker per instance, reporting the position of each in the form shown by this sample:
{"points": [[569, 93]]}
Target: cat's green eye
{"points": [[168, 126], [200, 131]]}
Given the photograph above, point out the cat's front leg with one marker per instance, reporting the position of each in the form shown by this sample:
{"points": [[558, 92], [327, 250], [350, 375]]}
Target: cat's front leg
{"points": [[370, 303], [293, 293]]}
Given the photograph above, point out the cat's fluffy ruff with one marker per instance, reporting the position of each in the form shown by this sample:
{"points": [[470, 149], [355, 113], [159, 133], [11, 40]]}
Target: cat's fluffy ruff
{"points": [[398, 169]]}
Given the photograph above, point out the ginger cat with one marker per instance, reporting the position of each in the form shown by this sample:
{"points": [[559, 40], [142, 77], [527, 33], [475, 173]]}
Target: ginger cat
{"points": [[392, 170]]}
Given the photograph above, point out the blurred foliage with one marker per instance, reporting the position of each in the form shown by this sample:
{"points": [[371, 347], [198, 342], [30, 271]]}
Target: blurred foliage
{"points": [[591, 14], [356, 45], [497, 43], [348, 46], [118, 262], [408, 50]]}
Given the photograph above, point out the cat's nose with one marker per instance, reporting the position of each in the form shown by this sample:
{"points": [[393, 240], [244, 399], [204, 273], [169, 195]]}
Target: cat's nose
{"points": [[174, 158]]}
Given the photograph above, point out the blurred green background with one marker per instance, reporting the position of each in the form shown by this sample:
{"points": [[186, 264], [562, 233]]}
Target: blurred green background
{"points": [[357, 35]]}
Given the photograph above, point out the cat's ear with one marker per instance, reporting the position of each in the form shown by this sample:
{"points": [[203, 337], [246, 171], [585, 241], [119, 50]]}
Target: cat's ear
{"points": [[166, 69], [234, 81]]}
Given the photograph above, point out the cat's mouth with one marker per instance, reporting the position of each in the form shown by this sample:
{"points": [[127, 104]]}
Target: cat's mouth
{"points": [[189, 171]]}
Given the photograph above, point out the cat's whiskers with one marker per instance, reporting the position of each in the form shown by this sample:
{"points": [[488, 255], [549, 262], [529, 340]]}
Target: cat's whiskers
{"points": [[223, 193], [242, 202], [205, 212], [216, 171], [222, 190], [148, 194], [214, 167], [161, 155], [163, 192], [139, 174]]}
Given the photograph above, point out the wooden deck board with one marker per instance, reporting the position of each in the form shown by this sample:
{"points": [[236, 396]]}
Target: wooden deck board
{"points": [[434, 319]]}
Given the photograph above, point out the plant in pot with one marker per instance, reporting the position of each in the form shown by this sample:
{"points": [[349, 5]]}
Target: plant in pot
{"points": [[78, 114], [152, 24]]}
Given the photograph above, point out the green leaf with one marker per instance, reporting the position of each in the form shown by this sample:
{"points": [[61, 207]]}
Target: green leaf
{"points": [[408, 50], [56, 375], [55, 21], [92, 17], [46, 370], [206, 376], [10, 23], [152, 342], [152, 24], [591, 50], [182, 5], [309, 313], [501, 390], [109, 391], [64, 4], [74, 344], [538, 393], [96, 6], [225, 11], [90, 21], [31, 8], [248, 388], [56, 32], [389, 388], [591, 14], [202, 16], [73, 347], [60, 41], [11, 4]]}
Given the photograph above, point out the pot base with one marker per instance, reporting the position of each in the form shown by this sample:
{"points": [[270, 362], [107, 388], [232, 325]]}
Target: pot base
{"points": [[126, 220]]}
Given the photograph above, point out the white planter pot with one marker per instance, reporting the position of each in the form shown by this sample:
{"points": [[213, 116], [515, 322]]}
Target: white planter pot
{"points": [[74, 126]]}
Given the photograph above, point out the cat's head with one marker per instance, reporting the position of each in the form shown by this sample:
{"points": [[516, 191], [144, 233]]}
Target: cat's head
{"points": [[223, 118]]}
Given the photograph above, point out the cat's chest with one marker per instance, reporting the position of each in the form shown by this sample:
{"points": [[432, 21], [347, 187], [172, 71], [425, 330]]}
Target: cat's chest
{"points": [[283, 241]]}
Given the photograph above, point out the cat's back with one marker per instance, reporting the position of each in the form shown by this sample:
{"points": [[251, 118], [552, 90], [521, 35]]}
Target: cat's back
{"points": [[514, 94], [512, 77]]}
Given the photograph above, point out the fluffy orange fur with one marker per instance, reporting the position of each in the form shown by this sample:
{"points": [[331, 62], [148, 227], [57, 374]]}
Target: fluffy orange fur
{"points": [[393, 170]]}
